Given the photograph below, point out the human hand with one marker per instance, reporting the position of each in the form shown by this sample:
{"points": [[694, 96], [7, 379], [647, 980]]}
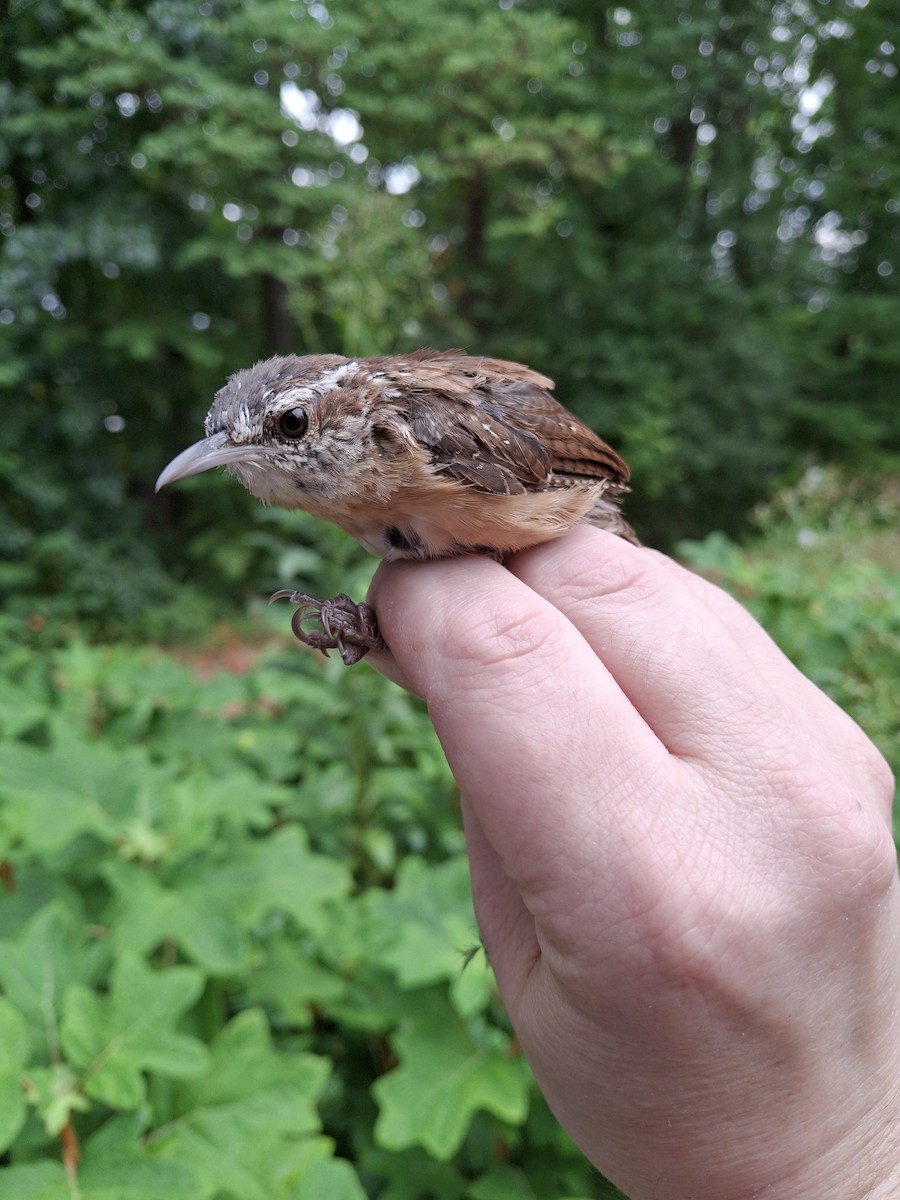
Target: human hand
{"points": [[682, 868]]}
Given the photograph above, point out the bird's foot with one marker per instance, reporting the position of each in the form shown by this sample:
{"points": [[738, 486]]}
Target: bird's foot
{"points": [[344, 625]]}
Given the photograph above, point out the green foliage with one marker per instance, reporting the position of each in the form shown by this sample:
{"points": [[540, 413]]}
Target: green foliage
{"points": [[445, 1076], [233, 938]]}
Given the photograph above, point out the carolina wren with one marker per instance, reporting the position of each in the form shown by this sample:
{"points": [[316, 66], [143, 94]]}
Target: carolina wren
{"points": [[420, 455]]}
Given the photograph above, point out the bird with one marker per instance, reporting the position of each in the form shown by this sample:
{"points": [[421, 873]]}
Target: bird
{"points": [[417, 456]]}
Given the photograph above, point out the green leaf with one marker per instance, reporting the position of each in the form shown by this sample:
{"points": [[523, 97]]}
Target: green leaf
{"points": [[113, 1039], [501, 1182], [52, 796], [411, 1174], [36, 1181], [293, 982], [56, 1093], [148, 911], [235, 1124], [279, 874], [49, 956], [445, 1076], [211, 907], [116, 1165], [430, 912], [327, 1176], [20, 708], [14, 1051]]}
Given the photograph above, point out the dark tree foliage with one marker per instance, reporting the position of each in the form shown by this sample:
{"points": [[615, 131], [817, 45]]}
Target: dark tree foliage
{"points": [[687, 217]]}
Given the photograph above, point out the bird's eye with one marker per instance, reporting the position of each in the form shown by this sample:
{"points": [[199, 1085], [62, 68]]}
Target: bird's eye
{"points": [[294, 423]]}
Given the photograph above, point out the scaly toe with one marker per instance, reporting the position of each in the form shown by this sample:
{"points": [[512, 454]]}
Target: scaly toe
{"points": [[345, 626]]}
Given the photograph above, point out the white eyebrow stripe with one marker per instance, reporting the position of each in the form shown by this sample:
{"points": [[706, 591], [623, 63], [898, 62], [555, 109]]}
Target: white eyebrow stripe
{"points": [[327, 382]]}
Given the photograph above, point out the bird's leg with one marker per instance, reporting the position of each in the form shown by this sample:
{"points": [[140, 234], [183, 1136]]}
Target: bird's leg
{"points": [[345, 626]]}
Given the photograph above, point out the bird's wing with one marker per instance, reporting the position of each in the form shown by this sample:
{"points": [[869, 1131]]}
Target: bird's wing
{"points": [[574, 449], [498, 430], [478, 446]]}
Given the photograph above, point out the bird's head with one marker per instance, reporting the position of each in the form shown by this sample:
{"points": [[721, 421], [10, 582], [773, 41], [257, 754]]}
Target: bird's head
{"points": [[290, 429]]}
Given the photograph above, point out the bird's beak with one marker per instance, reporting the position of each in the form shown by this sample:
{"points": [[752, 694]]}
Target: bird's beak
{"points": [[214, 451]]}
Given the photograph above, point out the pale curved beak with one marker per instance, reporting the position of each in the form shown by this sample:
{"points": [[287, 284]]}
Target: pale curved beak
{"points": [[214, 451]]}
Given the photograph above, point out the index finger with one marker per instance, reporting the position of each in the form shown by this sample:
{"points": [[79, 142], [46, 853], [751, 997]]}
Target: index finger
{"points": [[512, 687]]}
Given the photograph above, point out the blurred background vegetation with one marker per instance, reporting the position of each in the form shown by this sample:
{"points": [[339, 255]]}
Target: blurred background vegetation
{"points": [[686, 214]]}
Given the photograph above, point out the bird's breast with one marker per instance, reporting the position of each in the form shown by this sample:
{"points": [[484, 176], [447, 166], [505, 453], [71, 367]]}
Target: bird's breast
{"points": [[447, 518]]}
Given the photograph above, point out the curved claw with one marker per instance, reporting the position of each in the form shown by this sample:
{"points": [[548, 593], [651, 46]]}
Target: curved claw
{"points": [[291, 594], [281, 594], [346, 626]]}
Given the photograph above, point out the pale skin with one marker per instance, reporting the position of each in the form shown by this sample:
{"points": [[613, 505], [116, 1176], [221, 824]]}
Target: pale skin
{"points": [[682, 868]]}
